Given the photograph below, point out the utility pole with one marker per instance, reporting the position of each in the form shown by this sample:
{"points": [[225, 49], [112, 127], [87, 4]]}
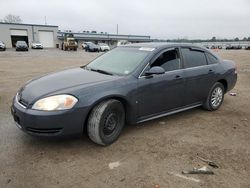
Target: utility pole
{"points": [[117, 29], [45, 20]]}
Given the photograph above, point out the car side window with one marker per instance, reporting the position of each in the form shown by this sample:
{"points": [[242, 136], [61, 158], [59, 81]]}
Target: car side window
{"points": [[169, 60], [211, 59], [193, 58]]}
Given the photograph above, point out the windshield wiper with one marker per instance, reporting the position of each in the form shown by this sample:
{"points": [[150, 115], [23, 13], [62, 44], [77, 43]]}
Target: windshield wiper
{"points": [[100, 71]]}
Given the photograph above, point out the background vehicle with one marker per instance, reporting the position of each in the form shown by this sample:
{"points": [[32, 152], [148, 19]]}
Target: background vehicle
{"points": [[69, 42], [247, 48], [104, 47], [21, 46], [91, 47], [36, 45], [123, 42], [84, 45], [233, 47], [2, 46], [129, 84]]}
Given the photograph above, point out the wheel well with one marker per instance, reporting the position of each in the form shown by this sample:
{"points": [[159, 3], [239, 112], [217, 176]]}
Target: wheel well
{"points": [[224, 83], [123, 101]]}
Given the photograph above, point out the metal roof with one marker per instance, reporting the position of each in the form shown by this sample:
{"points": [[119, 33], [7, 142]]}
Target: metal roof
{"points": [[28, 24], [103, 36]]}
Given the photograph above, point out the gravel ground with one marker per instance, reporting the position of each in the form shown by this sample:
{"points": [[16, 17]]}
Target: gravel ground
{"points": [[147, 154]]}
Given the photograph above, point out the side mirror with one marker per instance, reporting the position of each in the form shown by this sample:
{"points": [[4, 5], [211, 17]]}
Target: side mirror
{"points": [[155, 70]]}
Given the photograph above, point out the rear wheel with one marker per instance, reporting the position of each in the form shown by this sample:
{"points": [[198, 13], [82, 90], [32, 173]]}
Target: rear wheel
{"points": [[106, 122], [215, 97]]}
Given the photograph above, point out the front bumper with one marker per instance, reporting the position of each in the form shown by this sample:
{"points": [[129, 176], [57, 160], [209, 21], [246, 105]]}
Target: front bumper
{"points": [[37, 47], [21, 48], [56, 123]]}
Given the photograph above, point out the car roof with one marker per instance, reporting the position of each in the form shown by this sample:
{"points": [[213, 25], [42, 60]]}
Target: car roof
{"points": [[162, 45]]}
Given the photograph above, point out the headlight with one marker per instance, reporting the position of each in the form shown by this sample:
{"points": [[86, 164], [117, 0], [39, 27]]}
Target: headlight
{"points": [[57, 102]]}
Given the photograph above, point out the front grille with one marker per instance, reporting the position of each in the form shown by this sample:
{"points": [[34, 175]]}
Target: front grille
{"points": [[44, 131]]}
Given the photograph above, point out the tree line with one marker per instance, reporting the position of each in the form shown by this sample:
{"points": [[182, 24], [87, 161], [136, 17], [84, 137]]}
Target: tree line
{"points": [[10, 18]]}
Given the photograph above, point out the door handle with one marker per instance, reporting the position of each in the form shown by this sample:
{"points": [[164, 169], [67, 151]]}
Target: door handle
{"points": [[178, 77], [211, 71]]}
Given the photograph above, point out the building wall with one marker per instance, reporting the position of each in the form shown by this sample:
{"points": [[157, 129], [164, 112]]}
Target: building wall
{"points": [[32, 31]]}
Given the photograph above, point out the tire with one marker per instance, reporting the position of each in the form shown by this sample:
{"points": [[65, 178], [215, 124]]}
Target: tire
{"points": [[106, 122], [215, 97]]}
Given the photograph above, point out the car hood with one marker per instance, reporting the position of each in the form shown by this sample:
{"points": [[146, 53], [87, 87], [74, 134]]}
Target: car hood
{"points": [[51, 83]]}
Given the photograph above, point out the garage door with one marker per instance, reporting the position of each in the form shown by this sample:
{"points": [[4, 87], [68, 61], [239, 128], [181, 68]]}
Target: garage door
{"points": [[18, 32], [47, 38]]}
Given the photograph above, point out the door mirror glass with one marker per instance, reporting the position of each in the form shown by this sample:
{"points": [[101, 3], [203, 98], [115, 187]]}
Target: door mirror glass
{"points": [[155, 70]]}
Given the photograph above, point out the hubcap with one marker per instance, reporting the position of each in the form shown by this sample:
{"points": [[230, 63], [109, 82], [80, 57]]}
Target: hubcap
{"points": [[217, 96], [110, 123]]}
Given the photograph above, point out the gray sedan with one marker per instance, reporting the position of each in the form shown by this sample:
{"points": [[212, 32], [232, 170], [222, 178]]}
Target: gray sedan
{"points": [[129, 84]]}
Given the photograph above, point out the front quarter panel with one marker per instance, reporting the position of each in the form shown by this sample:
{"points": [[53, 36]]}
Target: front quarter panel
{"points": [[123, 88]]}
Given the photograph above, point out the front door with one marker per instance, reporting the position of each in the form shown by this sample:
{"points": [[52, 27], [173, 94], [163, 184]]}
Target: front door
{"points": [[163, 92]]}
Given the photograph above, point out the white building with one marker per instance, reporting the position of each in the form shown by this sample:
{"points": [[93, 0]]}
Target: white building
{"points": [[10, 33]]}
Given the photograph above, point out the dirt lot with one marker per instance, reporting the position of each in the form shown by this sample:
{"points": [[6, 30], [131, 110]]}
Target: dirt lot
{"points": [[147, 154]]}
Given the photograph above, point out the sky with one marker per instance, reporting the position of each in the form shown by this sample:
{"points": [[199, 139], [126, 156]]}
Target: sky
{"points": [[161, 19]]}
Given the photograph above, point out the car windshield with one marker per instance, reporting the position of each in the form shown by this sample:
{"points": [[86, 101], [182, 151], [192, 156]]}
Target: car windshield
{"points": [[21, 42], [120, 61]]}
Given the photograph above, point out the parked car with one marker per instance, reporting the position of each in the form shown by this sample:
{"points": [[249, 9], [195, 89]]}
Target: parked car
{"points": [[123, 42], [91, 47], [216, 47], [36, 45], [2, 46], [21, 46], [233, 47], [84, 45], [104, 47], [129, 84], [247, 48]]}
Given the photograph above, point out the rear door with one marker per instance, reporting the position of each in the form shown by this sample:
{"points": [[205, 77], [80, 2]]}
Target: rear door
{"points": [[199, 75]]}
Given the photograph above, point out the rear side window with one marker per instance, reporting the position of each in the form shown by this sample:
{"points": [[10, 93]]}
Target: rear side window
{"points": [[193, 58], [211, 58]]}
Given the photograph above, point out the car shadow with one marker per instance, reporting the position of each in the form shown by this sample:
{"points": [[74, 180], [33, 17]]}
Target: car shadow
{"points": [[85, 142]]}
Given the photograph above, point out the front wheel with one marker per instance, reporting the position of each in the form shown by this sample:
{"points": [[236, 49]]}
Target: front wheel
{"points": [[106, 122], [215, 97]]}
